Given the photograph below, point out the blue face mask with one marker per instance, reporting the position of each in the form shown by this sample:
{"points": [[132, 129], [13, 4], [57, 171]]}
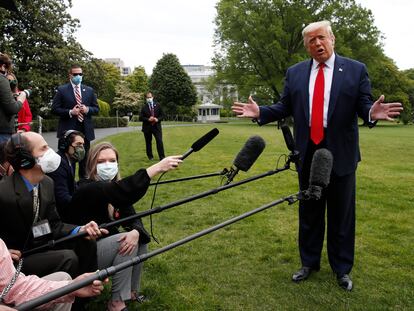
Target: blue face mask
{"points": [[76, 80]]}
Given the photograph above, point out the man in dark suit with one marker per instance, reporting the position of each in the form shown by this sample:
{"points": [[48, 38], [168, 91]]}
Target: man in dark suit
{"points": [[29, 216], [75, 104], [325, 96], [151, 116]]}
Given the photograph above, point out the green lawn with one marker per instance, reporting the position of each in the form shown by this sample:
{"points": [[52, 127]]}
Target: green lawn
{"points": [[248, 265]]}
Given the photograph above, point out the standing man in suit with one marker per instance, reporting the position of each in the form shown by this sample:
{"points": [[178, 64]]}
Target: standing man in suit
{"points": [[151, 116], [75, 104], [326, 95], [29, 216]]}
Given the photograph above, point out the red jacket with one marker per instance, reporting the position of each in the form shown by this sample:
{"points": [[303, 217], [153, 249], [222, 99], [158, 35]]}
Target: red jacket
{"points": [[24, 116]]}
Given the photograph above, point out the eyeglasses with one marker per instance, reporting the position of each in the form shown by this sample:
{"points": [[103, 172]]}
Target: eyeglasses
{"points": [[77, 74]]}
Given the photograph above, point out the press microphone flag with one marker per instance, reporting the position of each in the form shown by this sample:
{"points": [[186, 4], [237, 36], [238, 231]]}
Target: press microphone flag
{"points": [[320, 172], [201, 142], [251, 150]]}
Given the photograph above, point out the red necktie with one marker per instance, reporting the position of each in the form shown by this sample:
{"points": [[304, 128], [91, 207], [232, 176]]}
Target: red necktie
{"points": [[317, 107], [78, 102]]}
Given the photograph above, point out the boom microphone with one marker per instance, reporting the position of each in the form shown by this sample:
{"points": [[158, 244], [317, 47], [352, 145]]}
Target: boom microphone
{"points": [[290, 144], [201, 142], [320, 172], [246, 157]]}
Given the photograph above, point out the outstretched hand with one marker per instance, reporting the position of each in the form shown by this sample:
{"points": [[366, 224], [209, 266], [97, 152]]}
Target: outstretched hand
{"points": [[165, 165], [249, 110], [385, 111]]}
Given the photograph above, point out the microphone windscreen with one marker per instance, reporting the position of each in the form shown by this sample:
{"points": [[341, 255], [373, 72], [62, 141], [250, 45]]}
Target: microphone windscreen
{"points": [[287, 135], [321, 167], [249, 153], [201, 142]]}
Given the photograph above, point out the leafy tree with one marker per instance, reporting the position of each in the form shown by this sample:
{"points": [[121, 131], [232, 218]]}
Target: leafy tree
{"points": [[103, 77], [104, 108], [138, 80], [126, 101], [40, 39], [172, 86], [257, 41]]}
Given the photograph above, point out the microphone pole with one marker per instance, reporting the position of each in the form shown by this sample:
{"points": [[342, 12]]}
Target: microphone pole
{"points": [[223, 172], [156, 210], [103, 274]]}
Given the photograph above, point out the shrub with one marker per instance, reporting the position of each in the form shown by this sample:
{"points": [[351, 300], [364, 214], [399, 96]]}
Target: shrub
{"points": [[50, 125]]}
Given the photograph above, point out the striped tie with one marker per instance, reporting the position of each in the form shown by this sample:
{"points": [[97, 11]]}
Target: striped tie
{"points": [[78, 102]]}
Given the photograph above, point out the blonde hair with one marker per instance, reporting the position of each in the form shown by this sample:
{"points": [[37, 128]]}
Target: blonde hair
{"points": [[316, 25], [92, 160]]}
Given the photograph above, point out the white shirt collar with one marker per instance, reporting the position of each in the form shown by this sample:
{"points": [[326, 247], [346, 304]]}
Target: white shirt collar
{"points": [[329, 63]]}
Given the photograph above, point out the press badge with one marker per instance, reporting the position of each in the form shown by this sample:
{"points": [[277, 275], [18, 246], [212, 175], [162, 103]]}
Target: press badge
{"points": [[41, 228]]}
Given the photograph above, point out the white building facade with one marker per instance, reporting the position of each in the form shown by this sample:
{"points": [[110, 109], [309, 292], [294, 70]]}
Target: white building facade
{"points": [[119, 63]]}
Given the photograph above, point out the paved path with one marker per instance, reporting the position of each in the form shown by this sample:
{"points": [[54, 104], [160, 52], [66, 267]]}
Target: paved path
{"points": [[51, 139]]}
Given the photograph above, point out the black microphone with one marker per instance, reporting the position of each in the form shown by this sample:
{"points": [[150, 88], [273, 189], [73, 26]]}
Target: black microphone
{"points": [[201, 142], [320, 173], [290, 144], [246, 157]]}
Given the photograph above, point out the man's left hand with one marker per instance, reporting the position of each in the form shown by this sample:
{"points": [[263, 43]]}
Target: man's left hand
{"points": [[385, 111]]}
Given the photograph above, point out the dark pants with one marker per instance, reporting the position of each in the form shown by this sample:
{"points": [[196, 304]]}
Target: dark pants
{"points": [[48, 262], [339, 201], [158, 139]]}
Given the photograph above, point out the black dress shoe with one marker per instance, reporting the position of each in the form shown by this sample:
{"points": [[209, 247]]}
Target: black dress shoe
{"points": [[302, 274], [345, 282]]}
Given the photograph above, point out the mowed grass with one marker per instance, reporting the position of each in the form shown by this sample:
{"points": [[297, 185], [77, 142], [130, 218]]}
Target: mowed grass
{"points": [[248, 265]]}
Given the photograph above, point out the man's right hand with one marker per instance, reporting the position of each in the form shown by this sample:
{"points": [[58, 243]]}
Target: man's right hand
{"points": [[75, 110], [249, 110], [91, 290], [15, 254], [93, 230]]}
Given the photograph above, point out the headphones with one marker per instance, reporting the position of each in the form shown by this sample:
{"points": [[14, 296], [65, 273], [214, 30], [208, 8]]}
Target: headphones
{"points": [[64, 142], [23, 158]]}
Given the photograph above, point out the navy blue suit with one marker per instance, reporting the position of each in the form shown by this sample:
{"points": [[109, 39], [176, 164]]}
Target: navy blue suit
{"points": [[64, 101], [350, 98]]}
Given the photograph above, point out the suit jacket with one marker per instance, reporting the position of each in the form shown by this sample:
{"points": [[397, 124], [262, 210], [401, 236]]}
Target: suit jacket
{"points": [[350, 98], [146, 113], [64, 182], [64, 101], [16, 208]]}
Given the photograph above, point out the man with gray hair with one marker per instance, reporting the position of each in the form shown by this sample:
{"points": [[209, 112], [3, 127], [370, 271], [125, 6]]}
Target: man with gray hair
{"points": [[325, 96]]}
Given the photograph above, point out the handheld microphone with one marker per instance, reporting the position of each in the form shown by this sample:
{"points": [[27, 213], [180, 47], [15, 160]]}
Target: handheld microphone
{"points": [[201, 142], [320, 173], [290, 144], [246, 157]]}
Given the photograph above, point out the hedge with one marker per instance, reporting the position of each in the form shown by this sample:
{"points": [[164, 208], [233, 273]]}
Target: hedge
{"points": [[50, 125]]}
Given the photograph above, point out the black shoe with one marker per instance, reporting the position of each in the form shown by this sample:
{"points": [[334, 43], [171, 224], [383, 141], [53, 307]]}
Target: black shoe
{"points": [[345, 282], [302, 274]]}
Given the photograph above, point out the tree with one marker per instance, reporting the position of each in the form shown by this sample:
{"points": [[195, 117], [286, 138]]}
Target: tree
{"points": [[103, 77], [40, 39], [256, 41], [138, 80], [172, 86], [126, 101]]}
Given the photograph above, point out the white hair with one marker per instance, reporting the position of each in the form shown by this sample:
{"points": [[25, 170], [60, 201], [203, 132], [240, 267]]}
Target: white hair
{"points": [[316, 25]]}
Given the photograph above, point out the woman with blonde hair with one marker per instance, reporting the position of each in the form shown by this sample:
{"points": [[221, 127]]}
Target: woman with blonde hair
{"points": [[103, 196]]}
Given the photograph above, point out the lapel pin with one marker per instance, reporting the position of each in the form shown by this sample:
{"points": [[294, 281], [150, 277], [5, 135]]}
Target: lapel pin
{"points": [[340, 69]]}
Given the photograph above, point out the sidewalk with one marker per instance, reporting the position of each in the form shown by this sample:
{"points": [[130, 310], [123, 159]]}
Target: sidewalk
{"points": [[52, 140]]}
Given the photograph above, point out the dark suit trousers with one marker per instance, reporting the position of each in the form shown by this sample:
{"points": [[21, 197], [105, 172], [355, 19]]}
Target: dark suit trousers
{"points": [[158, 139], [339, 201]]}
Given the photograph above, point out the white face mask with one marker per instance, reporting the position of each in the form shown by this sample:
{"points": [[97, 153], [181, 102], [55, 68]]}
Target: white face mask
{"points": [[49, 161], [149, 100], [107, 171]]}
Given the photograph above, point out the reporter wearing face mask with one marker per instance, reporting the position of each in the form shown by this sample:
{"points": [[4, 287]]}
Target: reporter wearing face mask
{"points": [[103, 197], [9, 106], [71, 150], [24, 117]]}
